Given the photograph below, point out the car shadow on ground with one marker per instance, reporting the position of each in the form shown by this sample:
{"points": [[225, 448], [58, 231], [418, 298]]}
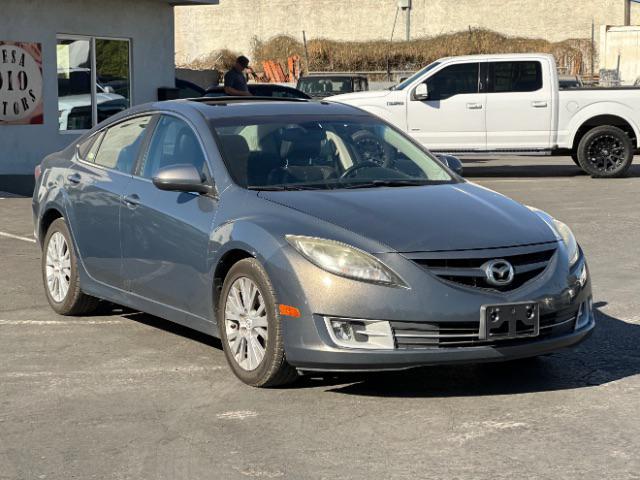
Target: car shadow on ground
{"points": [[611, 353], [478, 168]]}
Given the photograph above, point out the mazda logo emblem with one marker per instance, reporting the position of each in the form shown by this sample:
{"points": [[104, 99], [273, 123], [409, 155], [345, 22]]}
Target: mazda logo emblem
{"points": [[498, 272]]}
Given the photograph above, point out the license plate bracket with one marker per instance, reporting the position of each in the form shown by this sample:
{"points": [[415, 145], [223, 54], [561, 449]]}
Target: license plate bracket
{"points": [[509, 320]]}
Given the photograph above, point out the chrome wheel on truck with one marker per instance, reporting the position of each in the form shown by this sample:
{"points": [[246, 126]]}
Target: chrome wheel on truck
{"points": [[605, 152]]}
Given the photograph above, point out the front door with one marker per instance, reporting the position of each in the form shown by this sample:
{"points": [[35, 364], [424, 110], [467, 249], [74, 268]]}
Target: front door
{"points": [[95, 186], [165, 235], [453, 117]]}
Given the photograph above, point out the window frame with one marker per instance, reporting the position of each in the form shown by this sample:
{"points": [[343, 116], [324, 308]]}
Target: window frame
{"points": [[479, 83], [146, 144], [490, 76], [94, 74]]}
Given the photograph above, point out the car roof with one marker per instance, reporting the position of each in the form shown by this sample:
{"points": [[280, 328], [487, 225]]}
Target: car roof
{"points": [[233, 107], [496, 56]]}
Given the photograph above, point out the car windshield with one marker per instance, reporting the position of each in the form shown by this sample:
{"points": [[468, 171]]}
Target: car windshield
{"points": [[325, 85], [415, 76], [305, 152]]}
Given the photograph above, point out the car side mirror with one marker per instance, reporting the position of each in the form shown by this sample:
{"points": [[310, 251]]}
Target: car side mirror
{"points": [[181, 178], [452, 162], [421, 92]]}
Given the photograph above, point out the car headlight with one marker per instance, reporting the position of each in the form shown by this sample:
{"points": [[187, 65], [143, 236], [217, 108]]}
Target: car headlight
{"points": [[564, 233], [344, 260]]}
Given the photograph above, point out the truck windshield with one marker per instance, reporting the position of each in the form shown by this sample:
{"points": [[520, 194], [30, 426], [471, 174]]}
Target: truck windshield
{"points": [[325, 85], [415, 76], [306, 152]]}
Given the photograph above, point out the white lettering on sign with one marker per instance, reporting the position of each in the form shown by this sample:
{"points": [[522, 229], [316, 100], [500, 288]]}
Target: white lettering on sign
{"points": [[20, 84]]}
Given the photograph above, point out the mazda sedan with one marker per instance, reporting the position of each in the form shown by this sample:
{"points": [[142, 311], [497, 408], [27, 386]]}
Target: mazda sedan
{"points": [[307, 236]]}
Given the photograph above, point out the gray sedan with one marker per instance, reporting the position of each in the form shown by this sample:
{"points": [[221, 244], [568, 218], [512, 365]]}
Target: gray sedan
{"points": [[307, 236]]}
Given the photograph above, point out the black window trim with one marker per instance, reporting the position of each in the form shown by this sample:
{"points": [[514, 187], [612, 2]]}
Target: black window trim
{"points": [[479, 86], [490, 75]]}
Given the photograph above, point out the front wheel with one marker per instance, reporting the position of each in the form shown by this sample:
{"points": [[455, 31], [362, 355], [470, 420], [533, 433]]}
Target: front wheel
{"points": [[605, 152], [60, 273], [251, 329]]}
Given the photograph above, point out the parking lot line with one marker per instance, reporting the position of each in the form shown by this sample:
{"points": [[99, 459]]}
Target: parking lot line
{"points": [[17, 237]]}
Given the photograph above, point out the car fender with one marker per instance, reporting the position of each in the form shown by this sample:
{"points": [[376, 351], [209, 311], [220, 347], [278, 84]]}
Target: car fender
{"points": [[598, 109]]}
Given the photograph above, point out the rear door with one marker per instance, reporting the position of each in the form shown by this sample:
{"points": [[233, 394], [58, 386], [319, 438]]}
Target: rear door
{"points": [[165, 235], [95, 188], [519, 105], [453, 117]]}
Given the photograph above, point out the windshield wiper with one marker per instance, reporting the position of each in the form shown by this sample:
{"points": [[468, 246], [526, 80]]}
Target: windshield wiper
{"points": [[389, 183], [280, 188]]}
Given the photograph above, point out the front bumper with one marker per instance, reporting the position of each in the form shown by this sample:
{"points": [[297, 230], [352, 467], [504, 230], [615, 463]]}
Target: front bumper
{"points": [[343, 360], [309, 347]]}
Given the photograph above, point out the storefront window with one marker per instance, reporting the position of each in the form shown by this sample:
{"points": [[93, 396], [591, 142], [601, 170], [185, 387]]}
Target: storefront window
{"points": [[94, 80]]}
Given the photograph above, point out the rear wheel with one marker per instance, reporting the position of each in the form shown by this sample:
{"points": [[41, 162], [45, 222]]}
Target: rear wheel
{"points": [[605, 152], [251, 329], [60, 273]]}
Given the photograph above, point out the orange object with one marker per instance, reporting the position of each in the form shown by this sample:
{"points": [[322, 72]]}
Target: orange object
{"points": [[289, 311]]}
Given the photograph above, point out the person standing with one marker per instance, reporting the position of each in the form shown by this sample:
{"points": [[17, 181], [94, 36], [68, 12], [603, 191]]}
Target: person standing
{"points": [[235, 82]]}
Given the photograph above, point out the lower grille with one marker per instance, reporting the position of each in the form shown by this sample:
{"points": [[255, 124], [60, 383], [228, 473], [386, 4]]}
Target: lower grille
{"points": [[418, 335]]}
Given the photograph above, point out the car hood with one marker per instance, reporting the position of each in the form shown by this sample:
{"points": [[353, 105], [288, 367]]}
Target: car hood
{"points": [[460, 216], [348, 97]]}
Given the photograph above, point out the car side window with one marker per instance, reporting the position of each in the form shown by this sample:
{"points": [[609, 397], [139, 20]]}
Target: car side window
{"points": [[173, 143], [524, 76], [454, 80], [121, 143], [88, 149]]}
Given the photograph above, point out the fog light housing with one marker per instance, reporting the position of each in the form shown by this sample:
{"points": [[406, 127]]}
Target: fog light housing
{"points": [[585, 313], [356, 333]]}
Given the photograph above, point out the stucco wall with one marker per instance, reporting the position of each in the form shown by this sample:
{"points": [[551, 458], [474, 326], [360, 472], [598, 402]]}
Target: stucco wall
{"points": [[148, 23], [233, 23]]}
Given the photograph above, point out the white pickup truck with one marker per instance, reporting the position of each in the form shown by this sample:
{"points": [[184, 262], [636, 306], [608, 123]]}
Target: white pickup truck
{"points": [[511, 103]]}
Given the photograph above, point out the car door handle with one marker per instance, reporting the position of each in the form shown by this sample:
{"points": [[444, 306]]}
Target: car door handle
{"points": [[539, 104], [74, 178], [474, 106], [131, 201]]}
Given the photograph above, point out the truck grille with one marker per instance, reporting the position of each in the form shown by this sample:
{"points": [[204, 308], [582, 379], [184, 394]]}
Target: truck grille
{"points": [[464, 268], [419, 335]]}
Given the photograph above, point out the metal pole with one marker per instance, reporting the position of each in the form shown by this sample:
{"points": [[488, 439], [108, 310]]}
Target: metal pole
{"points": [[408, 20], [593, 47], [627, 12], [306, 52]]}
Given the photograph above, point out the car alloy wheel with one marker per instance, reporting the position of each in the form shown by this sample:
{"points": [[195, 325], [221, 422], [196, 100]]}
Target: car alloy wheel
{"points": [[246, 323], [58, 267]]}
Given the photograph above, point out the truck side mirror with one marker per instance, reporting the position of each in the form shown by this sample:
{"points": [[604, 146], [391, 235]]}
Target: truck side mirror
{"points": [[421, 92]]}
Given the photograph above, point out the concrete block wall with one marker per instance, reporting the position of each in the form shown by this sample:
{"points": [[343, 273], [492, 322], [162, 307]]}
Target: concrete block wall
{"points": [[233, 23]]}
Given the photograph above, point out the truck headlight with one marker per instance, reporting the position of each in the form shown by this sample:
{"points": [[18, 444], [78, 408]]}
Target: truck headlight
{"points": [[344, 260], [564, 233]]}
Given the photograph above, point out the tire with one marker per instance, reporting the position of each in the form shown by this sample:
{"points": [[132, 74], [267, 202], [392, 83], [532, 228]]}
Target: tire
{"points": [[605, 152], [574, 157], [59, 264], [240, 332]]}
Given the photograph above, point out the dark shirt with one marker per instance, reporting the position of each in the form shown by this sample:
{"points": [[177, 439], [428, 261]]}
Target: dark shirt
{"points": [[235, 79]]}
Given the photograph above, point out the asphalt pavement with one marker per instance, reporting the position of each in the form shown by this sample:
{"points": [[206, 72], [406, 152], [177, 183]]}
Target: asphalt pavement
{"points": [[124, 395]]}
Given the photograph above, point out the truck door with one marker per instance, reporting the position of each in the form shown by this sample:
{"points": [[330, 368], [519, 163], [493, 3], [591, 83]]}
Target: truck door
{"points": [[452, 118], [519, 105]]}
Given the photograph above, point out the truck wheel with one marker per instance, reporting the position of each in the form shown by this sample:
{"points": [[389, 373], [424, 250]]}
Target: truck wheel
{"points": [[574, 157], [251, 329], [605, 152]]}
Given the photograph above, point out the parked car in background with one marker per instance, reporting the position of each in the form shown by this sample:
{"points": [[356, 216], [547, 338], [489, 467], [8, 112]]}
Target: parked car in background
{"points": [[326, 85], [262, 90], [511, 103], [570, 81], [188, 89], [278, 226]]}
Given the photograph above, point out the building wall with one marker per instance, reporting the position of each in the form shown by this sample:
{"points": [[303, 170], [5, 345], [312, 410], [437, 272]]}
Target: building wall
{"points": [[149, 25], [233, 23]]}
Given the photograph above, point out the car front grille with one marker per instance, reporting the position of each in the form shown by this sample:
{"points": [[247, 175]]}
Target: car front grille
{"points": [[464, 268], [423, 335]]}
